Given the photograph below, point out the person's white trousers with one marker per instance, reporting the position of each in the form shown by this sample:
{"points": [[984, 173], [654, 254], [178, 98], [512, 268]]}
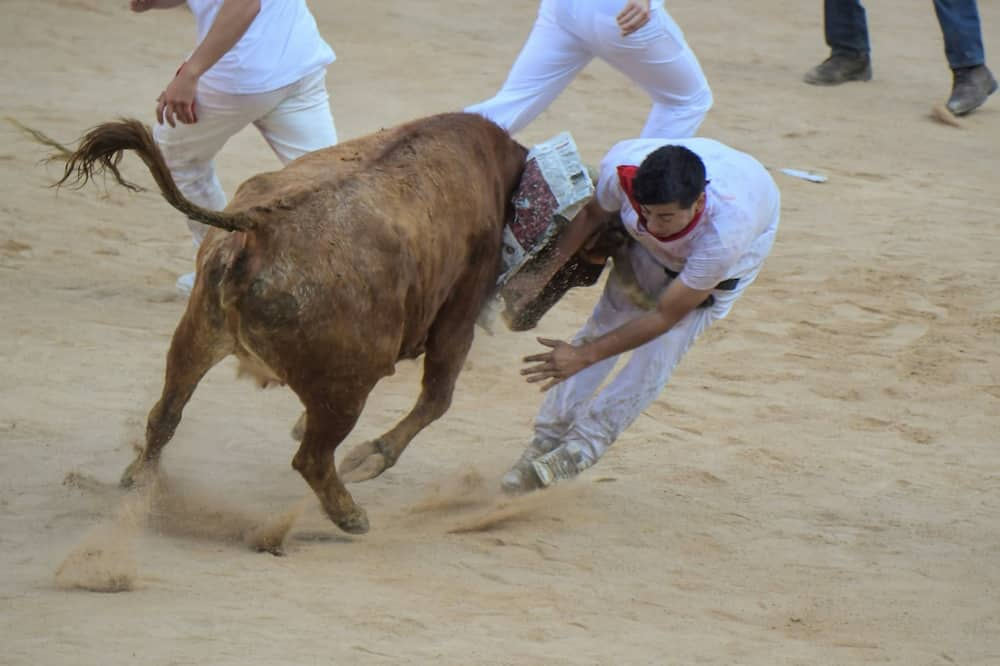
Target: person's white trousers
{"points": [[586, 420], [294, 120], [569, 33]]}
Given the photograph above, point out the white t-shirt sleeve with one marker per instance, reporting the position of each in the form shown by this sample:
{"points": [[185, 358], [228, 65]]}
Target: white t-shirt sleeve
{"points": [[609, 191]]}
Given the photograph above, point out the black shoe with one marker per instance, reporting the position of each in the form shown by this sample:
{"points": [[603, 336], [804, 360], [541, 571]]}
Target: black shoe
{"points": [[971, 88], [840, 68]]}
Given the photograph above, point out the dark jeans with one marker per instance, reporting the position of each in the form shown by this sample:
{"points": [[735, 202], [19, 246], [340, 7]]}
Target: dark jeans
{"points": [[847, 29]]}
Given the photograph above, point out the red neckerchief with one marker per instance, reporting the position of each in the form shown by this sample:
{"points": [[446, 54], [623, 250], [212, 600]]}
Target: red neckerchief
{"points": [[625, 176]]}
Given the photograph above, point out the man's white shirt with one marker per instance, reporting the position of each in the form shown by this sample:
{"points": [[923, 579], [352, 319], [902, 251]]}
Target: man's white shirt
{"points": [[734, 233], [281, 46]]}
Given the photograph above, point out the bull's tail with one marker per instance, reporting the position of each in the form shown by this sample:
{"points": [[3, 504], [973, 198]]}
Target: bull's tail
{"points": [[101, 151]]}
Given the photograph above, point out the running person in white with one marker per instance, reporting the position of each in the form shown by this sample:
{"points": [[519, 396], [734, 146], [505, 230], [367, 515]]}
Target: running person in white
{"points": [[703, 217], [636, 37], [256, 62]]}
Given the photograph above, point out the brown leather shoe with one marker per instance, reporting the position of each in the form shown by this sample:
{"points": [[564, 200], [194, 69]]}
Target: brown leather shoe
{"points": [[971, 88], [840, 68]]}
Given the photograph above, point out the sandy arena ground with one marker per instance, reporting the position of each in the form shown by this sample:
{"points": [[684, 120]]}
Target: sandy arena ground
{"points": [[820, 484]]}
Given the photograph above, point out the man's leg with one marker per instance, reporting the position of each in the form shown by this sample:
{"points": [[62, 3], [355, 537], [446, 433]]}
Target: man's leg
{"points": [[845, 25], [192, 165], [190, 150], [963, 46], [632, 390], [659, 60], [547, 63], [669, 121], [301, 122], [562, 403], [624, 398]]}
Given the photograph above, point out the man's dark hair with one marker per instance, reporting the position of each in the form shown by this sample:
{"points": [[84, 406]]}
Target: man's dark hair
{"points": [[667, 175]]}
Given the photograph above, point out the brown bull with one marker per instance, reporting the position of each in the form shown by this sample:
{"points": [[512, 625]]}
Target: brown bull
{"points": [[342, 263]]}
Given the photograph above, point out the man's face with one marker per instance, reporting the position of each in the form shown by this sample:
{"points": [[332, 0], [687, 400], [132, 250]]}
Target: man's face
{"points": [[667, 219]]}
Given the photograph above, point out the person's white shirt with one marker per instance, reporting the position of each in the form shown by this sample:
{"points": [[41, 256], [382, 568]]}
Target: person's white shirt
{"points": [[281, 46], [734, 233]]}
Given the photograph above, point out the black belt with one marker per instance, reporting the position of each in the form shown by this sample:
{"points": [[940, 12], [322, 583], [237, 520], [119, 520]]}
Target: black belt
{"points": [[725, 285]]}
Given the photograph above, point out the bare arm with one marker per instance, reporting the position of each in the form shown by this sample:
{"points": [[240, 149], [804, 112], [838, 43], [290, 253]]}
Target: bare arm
{"points": [[565, 360], [231, 23], [587, 222]]}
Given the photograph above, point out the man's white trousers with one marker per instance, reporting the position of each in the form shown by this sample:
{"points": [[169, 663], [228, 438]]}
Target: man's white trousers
{"points": [[587, 418], [294, 120], [568, 34]]}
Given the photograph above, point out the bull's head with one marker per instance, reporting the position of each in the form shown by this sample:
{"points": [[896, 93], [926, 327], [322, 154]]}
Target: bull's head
{"points": [[543, 280]]}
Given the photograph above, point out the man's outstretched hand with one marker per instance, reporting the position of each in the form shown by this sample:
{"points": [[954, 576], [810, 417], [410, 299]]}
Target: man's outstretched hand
{"points": [[554, 366]]}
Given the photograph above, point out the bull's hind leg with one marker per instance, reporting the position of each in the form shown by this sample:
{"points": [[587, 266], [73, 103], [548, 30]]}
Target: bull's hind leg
{"points": [[329, 421], [197, 345], [447, 347]]}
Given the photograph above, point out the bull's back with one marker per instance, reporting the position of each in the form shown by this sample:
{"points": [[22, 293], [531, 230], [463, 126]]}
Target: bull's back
{"points": [[427, 209], [365, 241]]}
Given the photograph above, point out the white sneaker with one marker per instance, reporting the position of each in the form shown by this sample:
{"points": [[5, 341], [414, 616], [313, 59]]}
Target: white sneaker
{"points": [[559, 465], [521, 477], [185, 283]]}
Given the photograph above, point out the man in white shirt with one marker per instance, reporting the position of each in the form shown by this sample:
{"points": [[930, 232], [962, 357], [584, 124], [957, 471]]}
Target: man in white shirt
{"points": [[703, 217], [255, 62]]}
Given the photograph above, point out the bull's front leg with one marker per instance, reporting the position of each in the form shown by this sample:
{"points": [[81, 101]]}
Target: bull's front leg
{"points": [[447, 347]]}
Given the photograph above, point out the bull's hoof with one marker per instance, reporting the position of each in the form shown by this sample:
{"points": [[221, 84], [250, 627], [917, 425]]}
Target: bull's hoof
{"points": [[371, 467], [135, 473], [276, 549], [299, 429], [355, 522], [364, 462]]}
